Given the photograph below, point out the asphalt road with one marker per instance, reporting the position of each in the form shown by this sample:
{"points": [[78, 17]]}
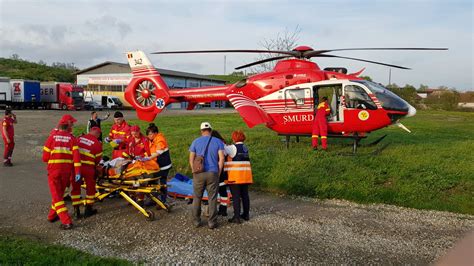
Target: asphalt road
{"points": [[281, 229]]}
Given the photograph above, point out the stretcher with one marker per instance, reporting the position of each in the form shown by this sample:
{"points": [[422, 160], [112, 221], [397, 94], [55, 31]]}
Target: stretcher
{"points": [[129, 178]]}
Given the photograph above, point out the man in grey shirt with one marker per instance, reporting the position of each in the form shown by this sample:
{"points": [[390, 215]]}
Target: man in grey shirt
{"points": [[209, 178]]}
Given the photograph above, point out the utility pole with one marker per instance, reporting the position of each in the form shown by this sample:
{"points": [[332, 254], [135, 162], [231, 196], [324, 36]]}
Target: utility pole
{"points": [[389, 76], [225, 63]]}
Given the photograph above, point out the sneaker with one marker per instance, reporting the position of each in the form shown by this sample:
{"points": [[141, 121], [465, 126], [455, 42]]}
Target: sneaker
{"points": [[212, 226], [66, 226], [197, 224]]}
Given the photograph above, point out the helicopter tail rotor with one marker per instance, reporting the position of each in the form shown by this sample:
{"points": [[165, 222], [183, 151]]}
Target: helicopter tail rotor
{"points": [[146, 92]]}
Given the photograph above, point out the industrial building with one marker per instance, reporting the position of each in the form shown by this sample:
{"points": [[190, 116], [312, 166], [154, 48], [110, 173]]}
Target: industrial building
{"points": [[112, 78]]}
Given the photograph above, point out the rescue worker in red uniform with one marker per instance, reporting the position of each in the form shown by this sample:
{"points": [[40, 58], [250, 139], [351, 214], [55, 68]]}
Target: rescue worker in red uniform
{"points": [[70, 124], [118, 136], [61, 153], [8, 135], [239, 176], [320, 125], [138, 149], [90, 150], [137, 145]]}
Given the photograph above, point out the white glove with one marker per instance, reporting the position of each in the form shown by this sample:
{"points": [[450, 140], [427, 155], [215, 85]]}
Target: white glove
{"points": [[107, 139]]}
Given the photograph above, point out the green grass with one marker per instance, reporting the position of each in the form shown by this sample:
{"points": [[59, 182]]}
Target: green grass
{"points": [[20, 251], [431, 168]]}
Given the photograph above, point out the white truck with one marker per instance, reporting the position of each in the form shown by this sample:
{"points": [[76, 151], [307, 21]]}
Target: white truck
{"points": [[5, 92], [108, 101]]}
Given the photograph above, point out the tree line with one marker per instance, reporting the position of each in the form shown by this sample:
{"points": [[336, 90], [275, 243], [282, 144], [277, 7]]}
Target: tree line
{"points": [[17, 68]]}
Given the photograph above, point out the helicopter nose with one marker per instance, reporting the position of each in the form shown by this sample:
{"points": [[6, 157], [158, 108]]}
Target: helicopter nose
{"points": [[411, 111]]}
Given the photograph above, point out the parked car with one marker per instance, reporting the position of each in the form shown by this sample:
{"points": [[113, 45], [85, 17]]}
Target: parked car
{"points": [[93, 106]]}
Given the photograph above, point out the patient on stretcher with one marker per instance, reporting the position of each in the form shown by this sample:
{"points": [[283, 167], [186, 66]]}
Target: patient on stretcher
{"points": [[127, 168]]}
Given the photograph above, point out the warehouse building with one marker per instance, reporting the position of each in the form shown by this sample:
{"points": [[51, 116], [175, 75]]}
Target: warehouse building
{"points": [[112, 78]]}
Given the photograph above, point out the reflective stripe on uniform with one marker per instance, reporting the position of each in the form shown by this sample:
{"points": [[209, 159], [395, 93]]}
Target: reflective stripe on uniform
{"points": [[118, 132], [166, 167], [46, 149], [64, 150], [58, 203], [75, 148], [88, 201], [324, 137], [98, 154], [88, 162], [315, 136], [64, 209], [86, 153], [77, 164], [76, 197], [237, 168], [59, 161]]}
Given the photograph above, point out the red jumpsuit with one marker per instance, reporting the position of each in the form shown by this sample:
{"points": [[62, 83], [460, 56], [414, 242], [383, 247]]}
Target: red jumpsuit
{"points": [[62, 155], [7, 125], [320, 125], [137, 148], [121, 132], [90, 150]]}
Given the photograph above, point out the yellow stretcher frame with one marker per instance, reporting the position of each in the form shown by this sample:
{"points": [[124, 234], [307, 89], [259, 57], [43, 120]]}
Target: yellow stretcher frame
{"points": [[139, 184]]}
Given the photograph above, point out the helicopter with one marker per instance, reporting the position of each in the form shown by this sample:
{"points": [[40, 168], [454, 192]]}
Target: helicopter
{"points": [[285, 98]]}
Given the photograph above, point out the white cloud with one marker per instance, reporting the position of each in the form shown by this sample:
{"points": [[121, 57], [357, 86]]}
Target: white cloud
{"points": [[89, 32]]}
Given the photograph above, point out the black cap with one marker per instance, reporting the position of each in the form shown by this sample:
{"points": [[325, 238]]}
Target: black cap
{"points": [[8, 111], [325, 98], [118, 114]]}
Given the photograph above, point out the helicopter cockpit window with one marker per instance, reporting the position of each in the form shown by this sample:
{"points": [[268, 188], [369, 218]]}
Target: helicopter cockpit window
{"points": [[357, 98], [298, 97]]}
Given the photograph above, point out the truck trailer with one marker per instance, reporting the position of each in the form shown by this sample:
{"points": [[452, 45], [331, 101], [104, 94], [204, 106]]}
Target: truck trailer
{"points": [[25, 93], [63, 96], [5, 92]]}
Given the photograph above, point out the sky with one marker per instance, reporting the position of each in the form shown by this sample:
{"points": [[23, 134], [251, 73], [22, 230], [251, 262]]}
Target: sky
{"points": [[90, 32]]}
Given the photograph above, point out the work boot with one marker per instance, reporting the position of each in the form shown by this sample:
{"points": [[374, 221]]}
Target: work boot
{"points": [[53, 220], [245, 217], [222, 210], [77, 212], [235, 220], [66, 226], [89, 211]]}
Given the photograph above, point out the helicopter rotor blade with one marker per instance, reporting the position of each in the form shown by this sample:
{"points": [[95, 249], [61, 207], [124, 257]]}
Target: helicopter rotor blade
{"points": [[363, 60], [291, 53], [309, 54], [262, 61]]}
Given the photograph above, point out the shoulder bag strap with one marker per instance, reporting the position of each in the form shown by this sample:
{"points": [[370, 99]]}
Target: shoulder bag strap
{"points": [[207, 146]]}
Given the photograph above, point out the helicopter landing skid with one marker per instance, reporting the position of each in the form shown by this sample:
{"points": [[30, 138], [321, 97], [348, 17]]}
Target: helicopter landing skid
{"points": [[355, 144]]}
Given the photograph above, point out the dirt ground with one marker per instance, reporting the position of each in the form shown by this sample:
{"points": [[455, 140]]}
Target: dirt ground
{"points": [[281, 229]]}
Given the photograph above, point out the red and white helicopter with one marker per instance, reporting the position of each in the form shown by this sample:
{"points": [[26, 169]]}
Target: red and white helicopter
{"points": [[283, 99]]}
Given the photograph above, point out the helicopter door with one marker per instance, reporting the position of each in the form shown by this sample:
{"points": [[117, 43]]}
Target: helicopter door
{"points": [[333, 92]]}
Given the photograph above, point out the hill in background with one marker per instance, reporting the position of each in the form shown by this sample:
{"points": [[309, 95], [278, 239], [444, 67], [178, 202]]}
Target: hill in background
{"points": [[21, 69]]}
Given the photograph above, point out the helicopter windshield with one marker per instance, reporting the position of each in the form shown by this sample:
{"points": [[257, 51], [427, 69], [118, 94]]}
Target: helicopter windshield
{"points": [[387, 99]]}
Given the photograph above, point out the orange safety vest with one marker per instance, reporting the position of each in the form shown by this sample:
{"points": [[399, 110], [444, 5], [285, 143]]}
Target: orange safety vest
{"points": [[239, 170]]}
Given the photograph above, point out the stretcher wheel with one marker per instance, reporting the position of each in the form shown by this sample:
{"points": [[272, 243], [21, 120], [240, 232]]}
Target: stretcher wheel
{"points": [[151, 216]]}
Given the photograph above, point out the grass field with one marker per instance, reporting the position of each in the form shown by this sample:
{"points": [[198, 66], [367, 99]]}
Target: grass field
{"points": [[431, 168], [20, 251]]}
